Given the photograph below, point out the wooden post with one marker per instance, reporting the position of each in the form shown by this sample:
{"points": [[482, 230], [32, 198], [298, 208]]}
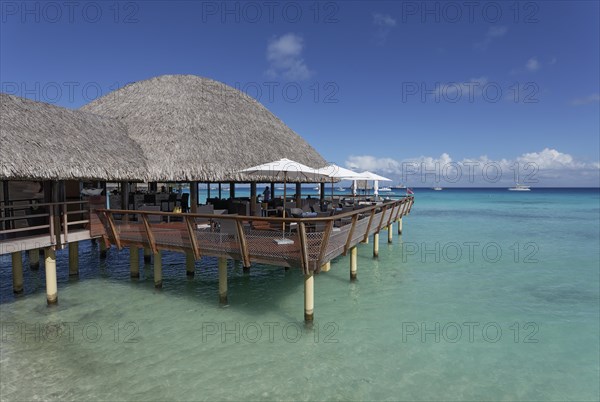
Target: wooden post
{"points": [[298, 195], [365, 240], [74, 259], [322, 192], [222, 280], [51, 285], [231, 190], [220, 192], [147, 255], [34, 259], [400, 226], [193, 197], [353, 263], [375, 244], [253, 198], [272, 190], [326, 267], [158, 270], [102, 248], [17, 272], [309, 297], [390, 233], [134, 262], [207, 191], [125, 200], [190, 264]]}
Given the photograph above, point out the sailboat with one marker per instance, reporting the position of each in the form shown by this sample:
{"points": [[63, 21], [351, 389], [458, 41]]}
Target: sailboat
{"points": [[399, 186]]}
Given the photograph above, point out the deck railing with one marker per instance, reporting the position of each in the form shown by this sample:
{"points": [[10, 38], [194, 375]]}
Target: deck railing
{"points": [[306, 243], [49, 223]]}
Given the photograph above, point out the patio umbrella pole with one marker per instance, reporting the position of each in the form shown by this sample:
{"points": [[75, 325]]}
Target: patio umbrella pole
{"points": [[284, 197]]}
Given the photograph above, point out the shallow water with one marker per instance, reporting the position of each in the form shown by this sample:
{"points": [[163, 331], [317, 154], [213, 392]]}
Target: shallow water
{"points": [[490, 295]]}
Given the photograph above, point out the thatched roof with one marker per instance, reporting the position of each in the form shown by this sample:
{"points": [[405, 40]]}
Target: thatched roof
{"points": [[45, 142], [194, 128]]}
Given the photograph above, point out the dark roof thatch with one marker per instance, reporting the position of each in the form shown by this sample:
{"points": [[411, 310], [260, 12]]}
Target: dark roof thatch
{"points": [[194, 128], [45, 142]]}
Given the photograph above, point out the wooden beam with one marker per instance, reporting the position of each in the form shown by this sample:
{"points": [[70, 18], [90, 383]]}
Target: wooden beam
{"points": [[366, 237], [350, 234], [113, 229], [303, 248], [325, 241], [243, 244], [149, 234], [383, 210], [190, 223]]}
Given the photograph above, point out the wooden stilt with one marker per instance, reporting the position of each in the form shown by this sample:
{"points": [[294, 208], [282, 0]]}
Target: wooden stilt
{"points": [[17, 272], [147, 255], [246, 270], [400, 226], [34, 259], [309, 298], [366, 240], [190, 264], [51, 284], [158, 270], [222, 280], [326, 267], [390, 233], [102, 248], [134, 262], [74, 259], [353, 263], [375, 244]]}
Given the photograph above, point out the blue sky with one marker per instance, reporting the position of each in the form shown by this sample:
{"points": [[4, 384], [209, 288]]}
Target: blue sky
{"points": [[403, 88]]}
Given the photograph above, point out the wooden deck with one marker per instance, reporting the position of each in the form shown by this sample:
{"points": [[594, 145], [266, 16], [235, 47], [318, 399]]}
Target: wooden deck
{"points": [[311, 242]]}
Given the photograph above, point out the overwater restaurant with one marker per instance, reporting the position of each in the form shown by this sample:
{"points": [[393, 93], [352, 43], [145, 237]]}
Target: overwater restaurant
{"points": [[105, 173]]}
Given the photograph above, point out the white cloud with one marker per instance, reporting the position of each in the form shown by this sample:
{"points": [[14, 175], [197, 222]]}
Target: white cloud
{"points": [[493, 32], [593, 98], [284, 55], [533, 64], [545, 168], [384, 24]]}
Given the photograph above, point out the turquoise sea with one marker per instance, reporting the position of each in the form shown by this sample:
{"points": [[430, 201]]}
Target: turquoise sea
{"points": [[488, 295]]}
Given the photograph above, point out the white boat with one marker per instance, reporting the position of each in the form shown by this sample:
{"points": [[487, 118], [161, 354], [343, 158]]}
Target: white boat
{"points": [[385, 189], [437, 188], [398, 187], [317, 188], [519, 187], [341, 189]]}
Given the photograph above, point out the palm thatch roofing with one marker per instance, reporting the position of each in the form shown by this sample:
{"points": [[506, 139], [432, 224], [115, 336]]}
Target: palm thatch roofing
{"points": [[39, 141], [195, 129]]}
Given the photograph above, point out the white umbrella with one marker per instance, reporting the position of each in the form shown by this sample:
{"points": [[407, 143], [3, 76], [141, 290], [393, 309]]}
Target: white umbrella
{"points": [[286, 169], [366, 175], [337, 172]]}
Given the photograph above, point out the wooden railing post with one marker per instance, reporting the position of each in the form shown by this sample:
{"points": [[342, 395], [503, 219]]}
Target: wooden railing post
{"points": [[149, 234], [243, 244], [366, 237], [113, 229], [350, 234], [303, 248], [325, 242], [190, 223]]}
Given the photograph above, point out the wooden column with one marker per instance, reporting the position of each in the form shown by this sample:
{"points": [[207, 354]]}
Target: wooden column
{"points": [[400, 226], [102, 248], [17, 272], [220, 193], [51, 284], [298, 195], [34, 259], [222, 261], [231, 190], [147, 255], [375, 244], [125, 199], [207, 190], [74, 259], [194, 197], [190, 264], [326, 267], [272, 190], [390, 233], [158, 270], [322, 192], [134, 262], [309, 297], [353, 262], [253, 198]]}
